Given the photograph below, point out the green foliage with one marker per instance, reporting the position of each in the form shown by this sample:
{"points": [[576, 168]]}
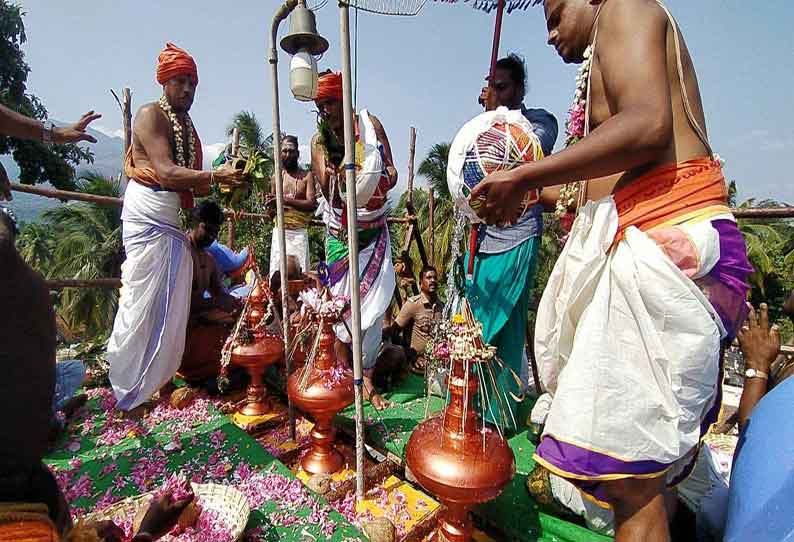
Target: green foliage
{"points": [[36, 244], [770, 249], [80, 241], [37, 161]]}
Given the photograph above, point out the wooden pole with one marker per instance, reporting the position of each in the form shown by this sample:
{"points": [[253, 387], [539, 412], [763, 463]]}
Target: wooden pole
{"points": [[235, 141], [497, 33], [761, 213], [56, 284], [411, 155], [125, 104], [65, 195], [431, 239], [232, 218], [533, 364], [764, 212]]}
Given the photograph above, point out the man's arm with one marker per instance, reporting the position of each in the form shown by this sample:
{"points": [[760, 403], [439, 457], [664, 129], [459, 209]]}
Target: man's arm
{"points": [[632, 58], [220, 298], [151, 129], [760, 346], [388, 158], [319, 167], [16, 125]]}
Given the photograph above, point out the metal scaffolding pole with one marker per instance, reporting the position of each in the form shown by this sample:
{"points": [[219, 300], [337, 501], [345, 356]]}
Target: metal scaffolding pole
{"points": [[352, 243]]}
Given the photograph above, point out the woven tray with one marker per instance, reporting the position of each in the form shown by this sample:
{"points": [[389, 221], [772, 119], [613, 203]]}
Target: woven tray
{"points": [[229, 504]]}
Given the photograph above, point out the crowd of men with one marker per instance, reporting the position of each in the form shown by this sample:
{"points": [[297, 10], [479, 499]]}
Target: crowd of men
{"points": [[649, 288]]}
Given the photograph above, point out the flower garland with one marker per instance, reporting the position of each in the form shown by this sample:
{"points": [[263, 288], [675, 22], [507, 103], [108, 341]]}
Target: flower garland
{"points": [[179, 135], [575, 128]]}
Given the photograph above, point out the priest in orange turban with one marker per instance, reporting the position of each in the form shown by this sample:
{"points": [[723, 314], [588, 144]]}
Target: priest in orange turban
{"points": [[164, 166], [375, 176]]}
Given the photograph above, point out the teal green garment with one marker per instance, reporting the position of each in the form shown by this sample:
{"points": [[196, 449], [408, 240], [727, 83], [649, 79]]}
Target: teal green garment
{"points": [[499, 298]]}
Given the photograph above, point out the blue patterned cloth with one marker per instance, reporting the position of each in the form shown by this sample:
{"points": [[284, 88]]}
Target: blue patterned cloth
{"points": [[69, 376]]}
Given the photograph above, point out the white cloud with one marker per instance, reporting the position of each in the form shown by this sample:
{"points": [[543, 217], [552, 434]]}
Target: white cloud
{"points": [[211, 152], [110, 132]]}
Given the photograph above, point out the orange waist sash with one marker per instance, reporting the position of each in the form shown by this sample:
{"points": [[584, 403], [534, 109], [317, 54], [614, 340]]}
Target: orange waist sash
{"points": [[671, 192]]}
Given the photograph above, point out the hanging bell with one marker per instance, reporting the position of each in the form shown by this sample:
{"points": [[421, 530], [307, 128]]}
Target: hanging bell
{"points": [[303, 33]]}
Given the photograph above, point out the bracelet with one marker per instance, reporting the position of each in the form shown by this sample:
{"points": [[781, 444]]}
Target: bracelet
{"points": [[46, 132]]}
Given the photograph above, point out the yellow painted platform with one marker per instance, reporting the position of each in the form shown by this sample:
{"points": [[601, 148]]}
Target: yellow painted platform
{"points": [[399, 501]]}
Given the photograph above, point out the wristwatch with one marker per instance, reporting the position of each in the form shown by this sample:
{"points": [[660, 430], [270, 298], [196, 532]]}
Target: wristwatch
{"points": [[46, 132], [754, 373]]}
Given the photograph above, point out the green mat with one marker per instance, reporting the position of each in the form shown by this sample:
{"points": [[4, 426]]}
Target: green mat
{"points": [[100, 461], [514, 512]]}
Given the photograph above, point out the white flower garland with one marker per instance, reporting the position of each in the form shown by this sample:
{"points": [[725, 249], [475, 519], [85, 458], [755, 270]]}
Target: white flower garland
{"points": [[179, 135]]}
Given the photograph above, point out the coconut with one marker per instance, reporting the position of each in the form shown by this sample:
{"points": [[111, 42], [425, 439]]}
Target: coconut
{"points": [[380, 530], [182, 397], [319, 483]]}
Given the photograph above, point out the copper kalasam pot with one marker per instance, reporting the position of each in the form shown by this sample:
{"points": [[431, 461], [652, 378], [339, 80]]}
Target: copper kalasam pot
{"points": [[264, 349], [454, 459], [328, 389]]}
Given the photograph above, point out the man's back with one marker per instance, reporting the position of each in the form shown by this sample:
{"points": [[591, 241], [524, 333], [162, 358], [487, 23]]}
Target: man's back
{"points": [[27, 359], [635, 52]]}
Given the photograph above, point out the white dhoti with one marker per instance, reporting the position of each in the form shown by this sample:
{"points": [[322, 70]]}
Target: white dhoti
{"points": [[376, 274], [297, 245], [148, 339], [629, 347]]}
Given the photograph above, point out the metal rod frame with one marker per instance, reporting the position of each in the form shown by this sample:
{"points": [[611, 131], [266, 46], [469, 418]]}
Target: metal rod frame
{"points": [[281, 13], [352, 243]]}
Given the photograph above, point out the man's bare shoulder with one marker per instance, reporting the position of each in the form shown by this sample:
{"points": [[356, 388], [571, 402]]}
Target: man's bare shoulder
{"points": [[635, 14], [150, 115]]}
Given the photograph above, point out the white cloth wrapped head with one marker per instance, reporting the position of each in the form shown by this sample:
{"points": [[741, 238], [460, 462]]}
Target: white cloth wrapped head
{"points": [[492, 141]]}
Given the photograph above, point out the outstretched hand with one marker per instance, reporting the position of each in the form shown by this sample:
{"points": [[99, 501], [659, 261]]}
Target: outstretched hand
{"points": [[161, 517], [498, 198], [77, 131], [760, 344]]}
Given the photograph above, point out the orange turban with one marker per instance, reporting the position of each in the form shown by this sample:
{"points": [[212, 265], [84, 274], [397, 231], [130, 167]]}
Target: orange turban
{"points": [[329, 87], [174, 61]]}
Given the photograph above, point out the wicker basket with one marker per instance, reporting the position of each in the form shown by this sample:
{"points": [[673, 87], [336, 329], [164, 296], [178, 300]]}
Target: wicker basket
{"points": [[229, 504]]}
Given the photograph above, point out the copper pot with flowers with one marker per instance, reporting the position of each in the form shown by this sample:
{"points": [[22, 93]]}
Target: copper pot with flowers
{"points": [[324, 385], [254, 347], [453, 455]]}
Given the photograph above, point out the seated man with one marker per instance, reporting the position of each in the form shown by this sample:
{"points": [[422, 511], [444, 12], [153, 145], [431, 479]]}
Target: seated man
{"points": [[417, 318], [212, 310]]}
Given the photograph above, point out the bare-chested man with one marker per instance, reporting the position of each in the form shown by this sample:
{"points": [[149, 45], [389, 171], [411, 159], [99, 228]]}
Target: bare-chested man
{"points": [[212, 310], [653, 276], [164, 167], [299, 204], [375, 176]]}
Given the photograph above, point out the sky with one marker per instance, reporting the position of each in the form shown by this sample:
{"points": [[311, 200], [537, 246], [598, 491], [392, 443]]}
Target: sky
{"points": [[424, 71]]}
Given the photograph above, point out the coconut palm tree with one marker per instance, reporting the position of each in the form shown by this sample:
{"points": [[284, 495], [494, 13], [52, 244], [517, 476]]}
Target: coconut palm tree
{"points": [[87, 246], [36, 244]]}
